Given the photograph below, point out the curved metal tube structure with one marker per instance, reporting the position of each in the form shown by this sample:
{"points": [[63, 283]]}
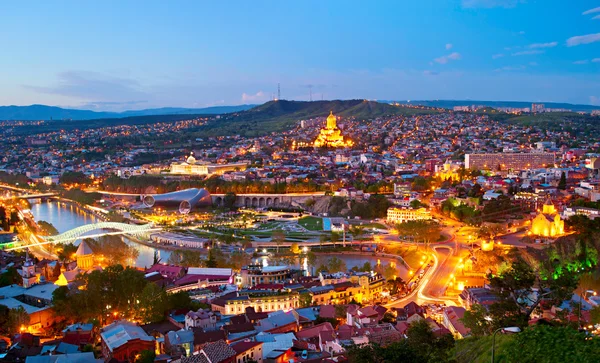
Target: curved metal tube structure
{"points": [[184, 200]]}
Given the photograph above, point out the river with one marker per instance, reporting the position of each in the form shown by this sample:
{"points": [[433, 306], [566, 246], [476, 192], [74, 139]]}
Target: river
{"points": [[65, 217]]}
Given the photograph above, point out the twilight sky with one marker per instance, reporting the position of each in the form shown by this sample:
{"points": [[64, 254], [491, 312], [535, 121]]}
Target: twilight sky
{"points": [[118, 55]]}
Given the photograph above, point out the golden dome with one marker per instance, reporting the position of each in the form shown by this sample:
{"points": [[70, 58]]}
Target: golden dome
{"points": [[331, 121]]}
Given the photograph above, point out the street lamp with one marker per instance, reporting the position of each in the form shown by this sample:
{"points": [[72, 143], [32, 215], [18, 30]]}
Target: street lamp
{"points": [[582, 296], [510, 329]]}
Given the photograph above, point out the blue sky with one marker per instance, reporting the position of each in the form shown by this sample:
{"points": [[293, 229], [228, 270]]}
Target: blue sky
{"points": [[117, 55]]}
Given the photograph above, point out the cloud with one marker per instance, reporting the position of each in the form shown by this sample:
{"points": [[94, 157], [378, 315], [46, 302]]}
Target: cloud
{"points": [[510, 68], [528, 52], [496, 56], [430, 73], [95, 88], [258, 96], [597, 17], [591, 11], [448, 46], [107, 104], [533, 64], [543, 45], [596, 60], [522, 32], [585, 61], [594, 100], [447, 58], [491, 3], [583, 39]]}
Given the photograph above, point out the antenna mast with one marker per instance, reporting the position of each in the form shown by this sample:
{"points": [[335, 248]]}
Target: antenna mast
{"points": [[278, 92]]}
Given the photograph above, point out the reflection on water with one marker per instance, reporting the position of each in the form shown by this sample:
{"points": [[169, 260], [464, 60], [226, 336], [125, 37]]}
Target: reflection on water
{"points": [[62, 216], [65, 217]]}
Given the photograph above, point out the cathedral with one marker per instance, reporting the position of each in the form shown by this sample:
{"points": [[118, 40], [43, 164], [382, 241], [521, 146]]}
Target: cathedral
{"points": [[548, 223], [331, 135]]}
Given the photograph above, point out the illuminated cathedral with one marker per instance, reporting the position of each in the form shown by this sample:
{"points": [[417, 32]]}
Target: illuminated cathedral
{"points": [[548, 223], [331, 135]]}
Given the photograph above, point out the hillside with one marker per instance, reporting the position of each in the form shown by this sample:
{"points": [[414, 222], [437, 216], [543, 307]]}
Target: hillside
{"points": [[43, 112], [280, 115]]}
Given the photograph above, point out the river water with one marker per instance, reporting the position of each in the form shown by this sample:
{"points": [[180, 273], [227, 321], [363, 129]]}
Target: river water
{"points": [[65, 217]]}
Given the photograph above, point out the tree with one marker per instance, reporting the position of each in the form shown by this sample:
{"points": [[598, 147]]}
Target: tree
{"points": [[212, 259], [550, 344], [229, 200], [514, 288], [146, 356], [156, 258], [421, 338], [476, 319], [336, 264], [66, 252], [10, 277], [335, 237], [153, 303], [278, 236], [562, 184], [48, 228], [305, 300], [17, 319]]}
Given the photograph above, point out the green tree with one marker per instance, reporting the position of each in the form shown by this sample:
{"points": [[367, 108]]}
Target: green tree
{"points": [[421, 338], [476, 319], [17, 319], [305, 300], [278, 236], [229, 200], [66, 252], [10, 276], [549, 344], [335, 264], [146, 356], [153, 303], [562, 184]]}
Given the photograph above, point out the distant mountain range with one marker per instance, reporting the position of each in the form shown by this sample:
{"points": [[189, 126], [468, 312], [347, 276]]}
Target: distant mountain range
{"points": [[43, 112], [516, 104]]}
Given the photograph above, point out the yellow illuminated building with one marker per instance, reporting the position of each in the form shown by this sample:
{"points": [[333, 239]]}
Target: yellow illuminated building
{"points": [[331, 135], [548, 223]]}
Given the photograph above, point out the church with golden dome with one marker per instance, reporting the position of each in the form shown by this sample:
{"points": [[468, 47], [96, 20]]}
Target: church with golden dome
{"points": [[331, 135]]}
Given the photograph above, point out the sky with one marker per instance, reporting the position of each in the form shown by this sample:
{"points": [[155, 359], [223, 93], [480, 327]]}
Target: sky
{"points": [[125, 55]]}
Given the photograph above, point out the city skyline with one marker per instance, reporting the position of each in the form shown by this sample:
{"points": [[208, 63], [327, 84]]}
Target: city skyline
{"points": [[118, 56]]}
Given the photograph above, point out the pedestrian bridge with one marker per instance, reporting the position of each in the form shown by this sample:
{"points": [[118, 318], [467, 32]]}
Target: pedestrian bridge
{"points": [[115, 227]]}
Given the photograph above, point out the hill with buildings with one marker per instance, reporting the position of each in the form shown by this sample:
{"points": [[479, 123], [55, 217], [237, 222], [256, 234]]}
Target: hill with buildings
{"points": [[449, 104], [281, 114]]}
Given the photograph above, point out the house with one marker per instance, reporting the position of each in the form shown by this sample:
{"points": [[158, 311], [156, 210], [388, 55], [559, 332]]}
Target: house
{"points": [[78, 334], [248, 351], [215, 352], [123, 340], [170, 272], [87, 357], [451, 320], [179, 343], [279, 322], [204, 319]]}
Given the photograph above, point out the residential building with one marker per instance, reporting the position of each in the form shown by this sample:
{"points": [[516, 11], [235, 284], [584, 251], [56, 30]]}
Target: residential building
{"points": [[123, 340]]}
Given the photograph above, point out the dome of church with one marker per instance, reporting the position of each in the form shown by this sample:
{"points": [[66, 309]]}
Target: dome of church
{"points": [[191, 159], [331, 120]]}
